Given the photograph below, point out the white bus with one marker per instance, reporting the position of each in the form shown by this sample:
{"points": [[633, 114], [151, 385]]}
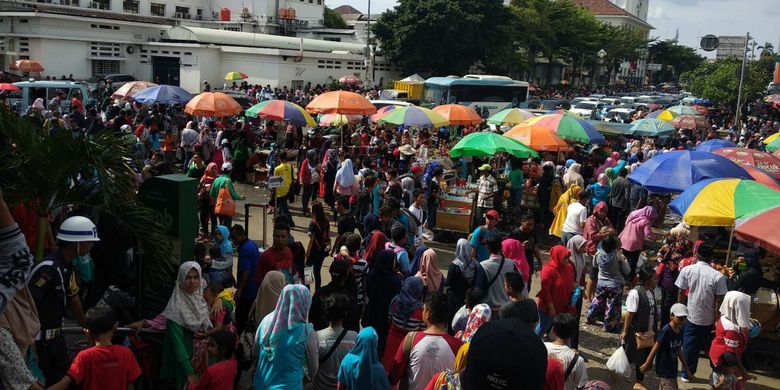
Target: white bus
{"points": [[485, 93]]}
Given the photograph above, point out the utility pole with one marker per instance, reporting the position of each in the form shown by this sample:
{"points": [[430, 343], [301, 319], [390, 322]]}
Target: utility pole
{"points": [[369, 61], [741, 82]]}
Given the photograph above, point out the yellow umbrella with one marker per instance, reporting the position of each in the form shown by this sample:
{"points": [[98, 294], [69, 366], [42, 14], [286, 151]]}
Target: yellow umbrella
{"points": [[771, 138]]}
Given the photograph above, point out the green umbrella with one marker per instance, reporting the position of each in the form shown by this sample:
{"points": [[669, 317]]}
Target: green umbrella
{"points": [[510, 117], [651, 127], [773, 146], [488, 143], [683, 110]]}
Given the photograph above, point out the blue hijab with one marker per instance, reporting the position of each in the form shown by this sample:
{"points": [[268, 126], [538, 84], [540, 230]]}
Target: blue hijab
{"points": [[415, 266], [409, 299], [360, 368], [225, 247]]}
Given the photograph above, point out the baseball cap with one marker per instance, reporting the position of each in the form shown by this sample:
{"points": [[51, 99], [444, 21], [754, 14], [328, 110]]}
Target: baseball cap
{"points": [[493, 214], [416, 169], [485, 167], [227, 166], [505, 354], [679, 310]]}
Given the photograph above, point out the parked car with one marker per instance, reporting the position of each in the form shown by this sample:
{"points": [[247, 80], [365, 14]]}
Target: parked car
{"points": [[620, 114], [587, 109], [239, 96], [580, 99], [610, 101], [549, 104], [47, 90], [117, 80]]}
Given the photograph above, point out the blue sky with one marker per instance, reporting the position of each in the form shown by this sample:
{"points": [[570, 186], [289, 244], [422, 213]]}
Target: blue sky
{"points": [[693, 18]]}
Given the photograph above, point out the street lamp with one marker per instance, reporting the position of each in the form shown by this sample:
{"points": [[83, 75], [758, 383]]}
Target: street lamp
{"points": [[602, 53]]}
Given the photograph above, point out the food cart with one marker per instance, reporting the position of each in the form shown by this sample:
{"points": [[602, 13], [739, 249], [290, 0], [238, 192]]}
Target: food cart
{"points": [[456, 211]]}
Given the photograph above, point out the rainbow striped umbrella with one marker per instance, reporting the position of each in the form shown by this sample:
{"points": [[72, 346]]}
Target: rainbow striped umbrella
{"points": [[281, 110], [335, 120], [569, 127], [510, 117], [773, 146], [416, 117], [380, 113], [235, 76], [664, 115], [720, 202]]}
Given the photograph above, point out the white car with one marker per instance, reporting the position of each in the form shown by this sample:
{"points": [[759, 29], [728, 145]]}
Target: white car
{"points": [[586, 109], [619, 114], [610, 101]]}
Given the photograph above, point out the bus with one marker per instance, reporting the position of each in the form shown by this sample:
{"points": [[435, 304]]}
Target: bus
{"points": [[488, 94]]}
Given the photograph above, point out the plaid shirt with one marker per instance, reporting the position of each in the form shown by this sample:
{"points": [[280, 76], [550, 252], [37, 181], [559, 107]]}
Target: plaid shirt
{"points": [[487, 188]]}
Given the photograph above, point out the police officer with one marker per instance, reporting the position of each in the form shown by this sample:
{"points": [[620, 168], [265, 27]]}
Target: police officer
{"points": [[54, 288]]}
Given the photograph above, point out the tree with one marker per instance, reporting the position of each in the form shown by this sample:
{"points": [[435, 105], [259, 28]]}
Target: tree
{"points": [[333, 19], [767, 49], [719, 81], [675, 59], [444, 36]]}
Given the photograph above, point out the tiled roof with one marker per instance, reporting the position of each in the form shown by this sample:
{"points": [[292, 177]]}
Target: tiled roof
{"points": [[346, 10], [602, 8]]}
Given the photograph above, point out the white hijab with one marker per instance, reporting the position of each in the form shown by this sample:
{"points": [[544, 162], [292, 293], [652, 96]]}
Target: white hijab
{"points": [[346, 174], [736, 309], [188, 310]]}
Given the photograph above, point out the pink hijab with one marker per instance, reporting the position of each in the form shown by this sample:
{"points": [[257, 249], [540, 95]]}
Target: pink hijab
{"points": [[610, 162], [429, 272], [514, 250]]}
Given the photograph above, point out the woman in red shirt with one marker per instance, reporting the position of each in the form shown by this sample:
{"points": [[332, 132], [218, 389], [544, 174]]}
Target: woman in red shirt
{"points": [[558, 283], [731, 329]]}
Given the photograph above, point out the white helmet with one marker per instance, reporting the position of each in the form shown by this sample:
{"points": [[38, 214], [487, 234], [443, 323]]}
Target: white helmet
{"points": [[78, 229]]}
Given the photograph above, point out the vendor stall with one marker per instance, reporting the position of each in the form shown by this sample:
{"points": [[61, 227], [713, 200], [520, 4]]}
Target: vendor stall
{"points": [[457, 210]]}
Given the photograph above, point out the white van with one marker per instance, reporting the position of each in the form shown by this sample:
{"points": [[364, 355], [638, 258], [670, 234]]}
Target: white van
{"points": [[47, 90]]}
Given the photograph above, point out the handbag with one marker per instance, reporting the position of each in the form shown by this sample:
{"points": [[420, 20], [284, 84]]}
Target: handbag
{"points": [[644, 339], [225, 204]]}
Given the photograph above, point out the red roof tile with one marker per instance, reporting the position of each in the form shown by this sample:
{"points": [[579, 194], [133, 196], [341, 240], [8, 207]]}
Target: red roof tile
{"points": [[602, 7], [347, 10]]}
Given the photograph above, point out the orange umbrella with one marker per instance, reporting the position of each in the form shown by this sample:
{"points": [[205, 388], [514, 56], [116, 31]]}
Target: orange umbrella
{"points": [[27, 66], [213, 104], [459, 114], [341, 102], [131, 89], [538, 138]]}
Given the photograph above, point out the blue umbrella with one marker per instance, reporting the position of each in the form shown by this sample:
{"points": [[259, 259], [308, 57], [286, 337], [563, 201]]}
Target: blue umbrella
{"points": [[714, 144], [675, 171], [163, 94], [652, 127]]}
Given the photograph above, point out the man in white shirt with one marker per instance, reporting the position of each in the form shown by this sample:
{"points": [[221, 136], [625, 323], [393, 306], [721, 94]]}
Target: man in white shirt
{"points": [[576, 215], [417, 207], [706, 290], [575, 372]]}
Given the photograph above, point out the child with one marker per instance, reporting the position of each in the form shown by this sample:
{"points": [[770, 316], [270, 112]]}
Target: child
{"points": [[222, 374], [667, 348], [473, 298], [724, 376], [104, 366], [514, 286], [220, 300]]}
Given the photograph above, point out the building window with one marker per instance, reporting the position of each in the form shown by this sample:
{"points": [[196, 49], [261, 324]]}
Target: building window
{"points": [[101, 67], [130, 6], [157, 9], [183, 12], [199, 14], [100, 4], [332, 39], [74, 3], [319, 2]]}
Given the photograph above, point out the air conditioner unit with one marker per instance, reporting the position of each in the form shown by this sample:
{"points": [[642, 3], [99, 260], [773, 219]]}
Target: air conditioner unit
{"points": [[187, 16], [179, 15], [94, 5]]}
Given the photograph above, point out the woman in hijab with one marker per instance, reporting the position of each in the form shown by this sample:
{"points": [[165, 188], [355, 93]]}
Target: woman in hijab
{"points": [[268, 294], [479, 316], [405, 316], [360, 368], [328, 177], [557, 280], [187, 314], [222, 268], [597, 226], [632, 239], [461, 274], [415, 266], [346, 184], [577, 245], [286, 343], [204, 199], [732, 329], [514, 250], [609, 163], [612, 268], [600, 189], [382, 285], [573, 176], [544, 193], [309, 177], [376, 244], [429, 272], [570, 196]]}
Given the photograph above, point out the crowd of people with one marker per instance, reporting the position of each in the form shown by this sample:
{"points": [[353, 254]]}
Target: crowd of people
{"points": [[243, 316]]}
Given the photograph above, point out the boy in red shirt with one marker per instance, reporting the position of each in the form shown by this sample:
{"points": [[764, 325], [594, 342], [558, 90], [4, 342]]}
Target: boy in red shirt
{"points": [[278, 257], [104, 366], [222, 374]]}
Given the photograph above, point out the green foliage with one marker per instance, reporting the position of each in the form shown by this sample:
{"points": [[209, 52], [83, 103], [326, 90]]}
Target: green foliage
{"points": [[675, 59], [54, 171], [719, 80], [332, 19]]}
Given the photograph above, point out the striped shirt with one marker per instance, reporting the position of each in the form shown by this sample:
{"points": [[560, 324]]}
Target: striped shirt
{"points": [[487, 188], [359, 272]]}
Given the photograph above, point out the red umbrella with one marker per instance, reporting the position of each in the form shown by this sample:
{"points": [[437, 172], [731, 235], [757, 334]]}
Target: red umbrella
{"points": [[750, 157], [8, 87], [761, 229], [350, 79], [762, 177], [690, 122]]}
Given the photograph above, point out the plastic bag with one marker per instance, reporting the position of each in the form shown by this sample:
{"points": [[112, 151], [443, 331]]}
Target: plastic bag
{"points": [[642, 260], [618, 363]]}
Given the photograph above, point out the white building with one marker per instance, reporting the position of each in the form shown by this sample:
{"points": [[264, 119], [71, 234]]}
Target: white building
{"points": [[181, 43]]}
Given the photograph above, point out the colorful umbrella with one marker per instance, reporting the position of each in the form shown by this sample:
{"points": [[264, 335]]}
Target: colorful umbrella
{"points": [[459, 115], [335, 120], [664, 115], [163, 94], [236, 76], [714, 144], [341, 102], [761, 229], [569, 127], [774, 147], [763, 177], [281, 110], [488, 143], [700, 110], [380, 113], [416, 117], [773, 99], [690, 122], [8, 87], [771, 138], [677, 170], [131, 88], [652, 127], [538, 138], [719, 202], [751, 157], [683, 110], [27, 66], [510, 117], [213, 104], [350, 79]]}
